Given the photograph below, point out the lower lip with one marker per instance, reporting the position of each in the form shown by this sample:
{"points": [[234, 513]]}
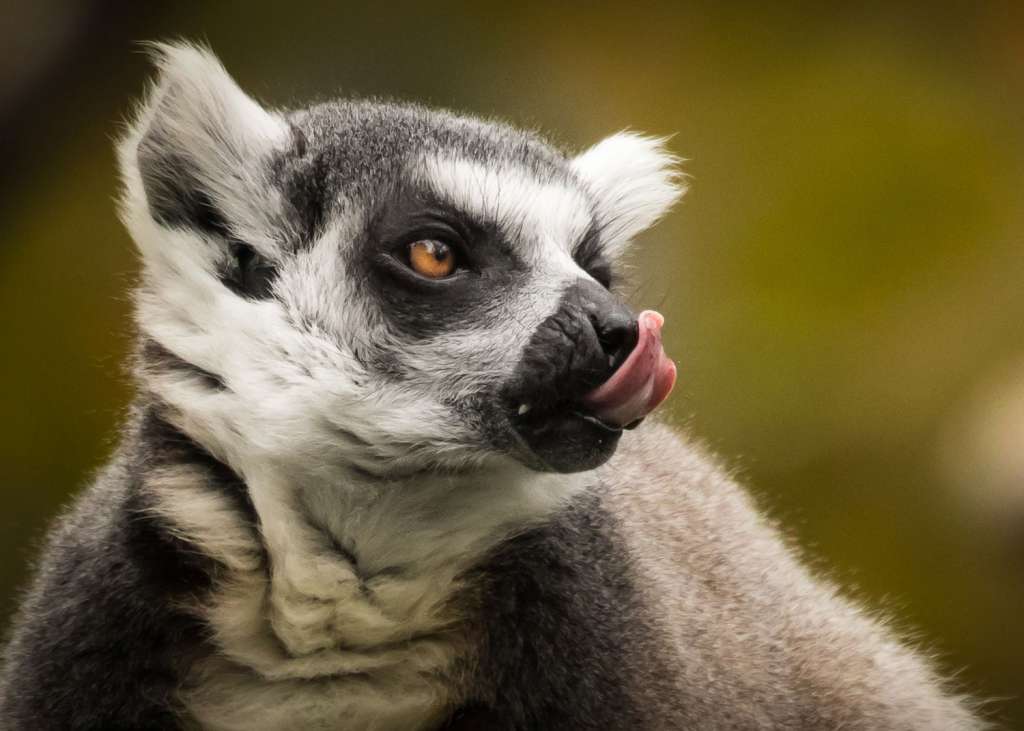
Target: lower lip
{"points": [[540, 416], [591, 419]]}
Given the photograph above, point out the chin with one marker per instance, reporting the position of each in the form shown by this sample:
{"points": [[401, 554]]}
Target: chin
{"points": [[569, 441]]}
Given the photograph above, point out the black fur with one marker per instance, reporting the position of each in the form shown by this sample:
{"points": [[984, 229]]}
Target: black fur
{"points": [[156, 357], [248, 273], [305, 192], [169, 446], [176, 198], [560, 621], [108, 641], [590, 255]]}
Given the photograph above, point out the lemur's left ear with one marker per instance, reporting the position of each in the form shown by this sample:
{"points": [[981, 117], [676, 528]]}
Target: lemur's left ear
{"points": [[195, 157], [634, 180]]}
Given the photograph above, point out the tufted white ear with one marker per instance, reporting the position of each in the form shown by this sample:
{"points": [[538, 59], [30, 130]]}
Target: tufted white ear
{"points": [[194, 158], [634, 180]]}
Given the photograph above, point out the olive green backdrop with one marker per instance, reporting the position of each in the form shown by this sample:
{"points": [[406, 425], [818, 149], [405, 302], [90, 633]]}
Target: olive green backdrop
{"points": [[843, 285]]}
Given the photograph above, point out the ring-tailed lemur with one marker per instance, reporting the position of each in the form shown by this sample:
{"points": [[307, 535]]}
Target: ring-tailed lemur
{"points": [[373, 478]]}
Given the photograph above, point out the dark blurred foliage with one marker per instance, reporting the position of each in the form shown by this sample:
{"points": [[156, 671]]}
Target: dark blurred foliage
{"points": [[844, 284]]}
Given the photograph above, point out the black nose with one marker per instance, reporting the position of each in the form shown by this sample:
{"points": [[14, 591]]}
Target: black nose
{"points": [[618, 332]]}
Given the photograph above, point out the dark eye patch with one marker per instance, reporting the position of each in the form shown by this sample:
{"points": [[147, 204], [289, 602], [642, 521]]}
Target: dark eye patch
{"points": [[423, 308]]}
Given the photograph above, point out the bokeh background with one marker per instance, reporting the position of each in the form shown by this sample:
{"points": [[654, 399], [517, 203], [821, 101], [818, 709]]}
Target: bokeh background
{"points": [[844, 284]]}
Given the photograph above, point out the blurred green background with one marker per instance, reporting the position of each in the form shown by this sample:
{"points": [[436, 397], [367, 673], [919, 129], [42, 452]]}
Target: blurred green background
{"points": [[844, 284]]}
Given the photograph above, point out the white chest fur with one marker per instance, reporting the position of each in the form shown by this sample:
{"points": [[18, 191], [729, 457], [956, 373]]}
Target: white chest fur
{"points": [[337, 612]]}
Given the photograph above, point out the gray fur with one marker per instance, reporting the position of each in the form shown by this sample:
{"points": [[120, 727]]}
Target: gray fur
{"points": [[330, 508], [661, 599]]}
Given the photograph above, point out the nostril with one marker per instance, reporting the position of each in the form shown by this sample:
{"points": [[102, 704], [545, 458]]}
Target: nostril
{"points": [[618, 333]]}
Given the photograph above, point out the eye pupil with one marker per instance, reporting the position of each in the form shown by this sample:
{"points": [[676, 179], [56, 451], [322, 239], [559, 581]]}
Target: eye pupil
{"points": [[431, 259]]}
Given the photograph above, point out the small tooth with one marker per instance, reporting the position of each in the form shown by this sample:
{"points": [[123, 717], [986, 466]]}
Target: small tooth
{"points": [[523, 409]]}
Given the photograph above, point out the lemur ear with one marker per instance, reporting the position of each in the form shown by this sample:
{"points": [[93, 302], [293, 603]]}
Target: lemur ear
{"points": [[195, 156], [634, 180]]}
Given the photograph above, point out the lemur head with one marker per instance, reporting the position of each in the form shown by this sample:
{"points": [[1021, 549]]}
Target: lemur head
{"points": [[382, 286]]}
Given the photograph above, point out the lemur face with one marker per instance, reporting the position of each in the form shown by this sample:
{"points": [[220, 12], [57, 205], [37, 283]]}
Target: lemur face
{"points": [[381, 286]]}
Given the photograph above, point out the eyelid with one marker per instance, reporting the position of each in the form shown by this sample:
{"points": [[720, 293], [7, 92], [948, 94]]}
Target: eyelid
{"points": [[433, 225], [431, 232]]}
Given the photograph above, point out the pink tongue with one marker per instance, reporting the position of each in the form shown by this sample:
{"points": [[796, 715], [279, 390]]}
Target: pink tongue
{"points": [[642, 382]]}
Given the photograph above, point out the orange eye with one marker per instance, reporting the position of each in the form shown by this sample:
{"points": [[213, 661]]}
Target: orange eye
{"points": [[431, 259]]}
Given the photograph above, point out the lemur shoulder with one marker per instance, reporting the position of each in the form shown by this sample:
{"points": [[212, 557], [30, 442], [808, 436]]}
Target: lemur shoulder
{"points": [[378, 473]]}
